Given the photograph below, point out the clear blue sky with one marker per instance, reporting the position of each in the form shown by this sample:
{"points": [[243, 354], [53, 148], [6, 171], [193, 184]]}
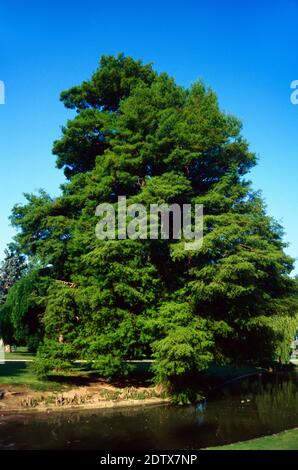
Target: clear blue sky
{"points": [[246, 51]]}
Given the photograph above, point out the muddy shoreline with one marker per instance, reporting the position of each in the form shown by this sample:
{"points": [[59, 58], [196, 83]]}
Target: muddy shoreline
{"points": [[21, 399], [98, 406]]}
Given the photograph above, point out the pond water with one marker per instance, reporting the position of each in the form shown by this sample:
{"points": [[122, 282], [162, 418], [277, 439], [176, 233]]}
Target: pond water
{"points": [[245, 409]]}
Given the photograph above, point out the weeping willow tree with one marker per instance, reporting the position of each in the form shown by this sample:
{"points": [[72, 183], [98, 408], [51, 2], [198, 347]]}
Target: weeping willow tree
{"points": [[20, 315], [285, 329]]}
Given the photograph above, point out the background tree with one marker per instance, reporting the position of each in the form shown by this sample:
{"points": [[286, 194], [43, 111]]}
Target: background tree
{"points": [[11, 270]]}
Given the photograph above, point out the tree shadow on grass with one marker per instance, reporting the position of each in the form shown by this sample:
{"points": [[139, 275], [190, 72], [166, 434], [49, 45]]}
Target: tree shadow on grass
{"points": [[139, 376], [13, 369], [21, 373]]}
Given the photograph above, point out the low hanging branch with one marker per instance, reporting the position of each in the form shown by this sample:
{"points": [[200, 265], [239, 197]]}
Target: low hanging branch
{"points": [[246, 247], [72, 285]]}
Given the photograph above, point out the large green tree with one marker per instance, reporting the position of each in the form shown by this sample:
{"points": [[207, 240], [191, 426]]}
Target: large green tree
{"points": [[137, 133]]}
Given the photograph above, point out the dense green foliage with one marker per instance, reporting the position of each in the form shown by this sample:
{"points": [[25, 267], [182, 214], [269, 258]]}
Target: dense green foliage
{"points": [[137, 133]]}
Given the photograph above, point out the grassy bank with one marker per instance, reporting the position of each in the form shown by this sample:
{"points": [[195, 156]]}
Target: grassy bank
{"points": [[80, 387], [85, 385], [286, 440], [15, 372]]}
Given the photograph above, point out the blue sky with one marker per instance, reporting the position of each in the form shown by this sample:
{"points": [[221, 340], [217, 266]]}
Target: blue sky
{"points": [[245, 50]]}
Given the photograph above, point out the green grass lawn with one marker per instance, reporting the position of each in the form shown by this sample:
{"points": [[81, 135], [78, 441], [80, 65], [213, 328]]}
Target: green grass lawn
{"points": [[20, 373], [20, 354], [286, 440]]}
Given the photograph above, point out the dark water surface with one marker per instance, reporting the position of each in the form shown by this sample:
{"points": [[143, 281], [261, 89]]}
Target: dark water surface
{"points": [[242, 410]]}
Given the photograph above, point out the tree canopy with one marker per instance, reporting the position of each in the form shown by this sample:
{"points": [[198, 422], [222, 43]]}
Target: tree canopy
{"points": [[139, 134]]}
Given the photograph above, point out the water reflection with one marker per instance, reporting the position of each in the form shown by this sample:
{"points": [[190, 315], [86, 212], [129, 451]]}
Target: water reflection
{"points": [[241, 410]]}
